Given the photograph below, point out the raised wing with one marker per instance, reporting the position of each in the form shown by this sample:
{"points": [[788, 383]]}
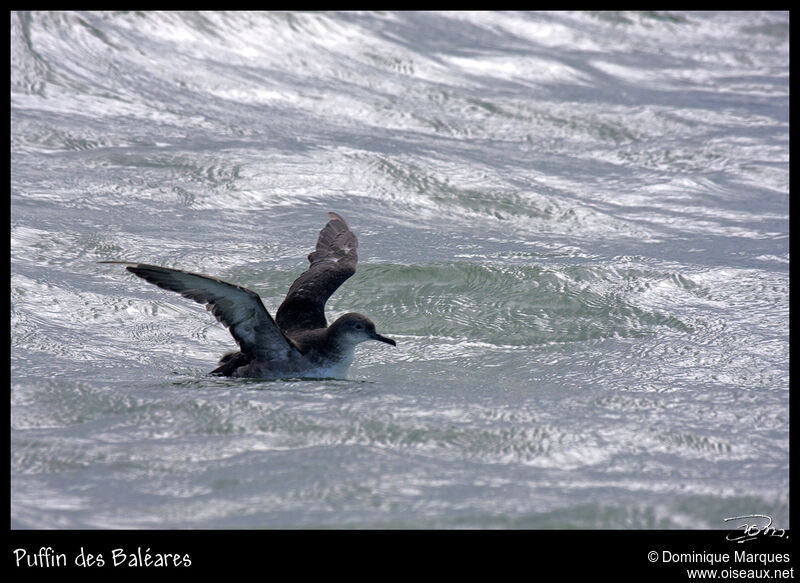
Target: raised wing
{"points": [[333, 261], [237, 308]]}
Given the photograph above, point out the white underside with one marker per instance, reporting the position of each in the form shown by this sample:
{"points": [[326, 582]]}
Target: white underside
{"points": [[333, 371]]}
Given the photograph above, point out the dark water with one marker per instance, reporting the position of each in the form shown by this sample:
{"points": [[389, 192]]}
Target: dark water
{"points": [[574, 224]]}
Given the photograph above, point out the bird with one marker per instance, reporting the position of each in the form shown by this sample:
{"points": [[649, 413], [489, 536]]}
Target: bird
{"points": [[298, 342]]}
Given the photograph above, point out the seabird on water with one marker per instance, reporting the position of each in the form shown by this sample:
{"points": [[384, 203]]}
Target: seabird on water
{"points": [[298, 342]]}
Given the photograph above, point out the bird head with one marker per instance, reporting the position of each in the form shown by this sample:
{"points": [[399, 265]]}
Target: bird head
{"points": [[357, 328]]}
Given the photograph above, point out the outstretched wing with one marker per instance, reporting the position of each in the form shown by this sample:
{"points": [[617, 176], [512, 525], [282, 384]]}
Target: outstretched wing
{"points": [[237, 308], [332, 263]]}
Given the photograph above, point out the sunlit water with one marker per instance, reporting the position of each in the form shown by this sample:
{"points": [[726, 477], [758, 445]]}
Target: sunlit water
{"points": [[575, 225]]}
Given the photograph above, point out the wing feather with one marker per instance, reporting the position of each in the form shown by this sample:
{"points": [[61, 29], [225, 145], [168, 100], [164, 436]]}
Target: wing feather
{"points": [[237, 308], [331, 264]]}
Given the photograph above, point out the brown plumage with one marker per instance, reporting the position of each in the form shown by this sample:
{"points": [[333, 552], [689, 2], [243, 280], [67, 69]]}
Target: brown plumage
{"points": [[298, 342]]}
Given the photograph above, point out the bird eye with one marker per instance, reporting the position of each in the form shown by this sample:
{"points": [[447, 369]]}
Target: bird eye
{"points": [[359, 326]]}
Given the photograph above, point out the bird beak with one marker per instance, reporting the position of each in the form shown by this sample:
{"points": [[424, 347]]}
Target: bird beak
{"points": [[384, 339]]}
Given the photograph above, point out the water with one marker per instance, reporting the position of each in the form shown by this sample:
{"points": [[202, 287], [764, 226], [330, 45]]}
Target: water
{"points": [[574, 224]]}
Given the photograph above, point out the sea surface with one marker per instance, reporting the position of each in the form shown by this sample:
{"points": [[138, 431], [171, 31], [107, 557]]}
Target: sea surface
{"points": [[575, 225]]}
